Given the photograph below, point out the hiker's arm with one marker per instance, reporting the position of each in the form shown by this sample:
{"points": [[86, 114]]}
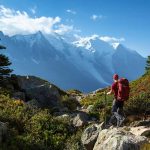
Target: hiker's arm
{"points": [[110, 92]]}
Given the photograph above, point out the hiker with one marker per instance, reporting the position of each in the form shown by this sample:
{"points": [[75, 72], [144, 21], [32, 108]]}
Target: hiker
{"points": [[120, 89]]}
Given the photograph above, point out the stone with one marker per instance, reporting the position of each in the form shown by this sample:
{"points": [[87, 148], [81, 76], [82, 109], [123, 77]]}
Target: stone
{"points": [[118, 139], [90, 108], [33, 103], [141, 123], [80, 119], [90, 135], [140, 130], [19, 95], [45, 93], [78, 98], [63, 116]]}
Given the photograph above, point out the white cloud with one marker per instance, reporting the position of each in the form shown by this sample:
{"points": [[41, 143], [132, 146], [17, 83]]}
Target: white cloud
{"points": [[111, 39], [33, 9], [96, 17], [61, 29], [16, 22], [71, 11]]}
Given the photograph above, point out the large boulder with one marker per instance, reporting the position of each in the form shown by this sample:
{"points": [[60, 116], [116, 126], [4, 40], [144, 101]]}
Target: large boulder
{"points": [[90, 135], [119, 139], [45, 93], [19, 95], [141, 130], [80, 119], [3, 132]]}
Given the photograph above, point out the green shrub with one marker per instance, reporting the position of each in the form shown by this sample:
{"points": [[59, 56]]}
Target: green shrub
{"points": [[138, 105], [31, 128], [70, 102], [74, 142]]}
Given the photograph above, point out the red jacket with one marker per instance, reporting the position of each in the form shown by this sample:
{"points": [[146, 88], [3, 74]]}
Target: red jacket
{"points": [[114, 89]]}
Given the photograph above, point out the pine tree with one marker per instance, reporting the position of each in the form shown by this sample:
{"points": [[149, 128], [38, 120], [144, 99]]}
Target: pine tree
{"points": [[4, 66], [147, 68]]}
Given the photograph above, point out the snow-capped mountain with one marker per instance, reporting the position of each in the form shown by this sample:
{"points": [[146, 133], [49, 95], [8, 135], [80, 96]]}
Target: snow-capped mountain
{"points": [[128, 63], [85, 64]]}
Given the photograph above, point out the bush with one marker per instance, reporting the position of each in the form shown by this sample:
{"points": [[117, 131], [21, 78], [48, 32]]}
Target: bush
{"points": [[138, 105], [33, 128], [70, 102]]}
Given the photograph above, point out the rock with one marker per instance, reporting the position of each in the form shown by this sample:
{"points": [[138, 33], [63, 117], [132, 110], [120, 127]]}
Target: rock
{"points": [[89, 108], [3, 132], [64, 116], [64, 109], [141, 123], [46, 94], [33, 103], [80, 119], [90, 135], [146, 133], [118, 139], [19, 95], [78, 98], [140, 130], [27, 82]]}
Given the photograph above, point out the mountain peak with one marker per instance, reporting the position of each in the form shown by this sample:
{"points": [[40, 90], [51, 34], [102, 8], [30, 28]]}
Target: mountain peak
{"points": [[120, 46], [123, 48], [1, 33], [39, 34]]}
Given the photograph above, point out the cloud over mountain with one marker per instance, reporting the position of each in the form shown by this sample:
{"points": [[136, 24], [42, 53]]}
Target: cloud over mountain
{"points": [[14, 22]]}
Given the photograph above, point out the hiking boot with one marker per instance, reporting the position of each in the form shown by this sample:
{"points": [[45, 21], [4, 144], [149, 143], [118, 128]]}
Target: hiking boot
{"points": [[120, 121], [108, 125]]}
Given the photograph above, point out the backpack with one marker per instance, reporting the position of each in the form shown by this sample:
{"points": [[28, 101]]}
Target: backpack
{"points": [[123, 89]]}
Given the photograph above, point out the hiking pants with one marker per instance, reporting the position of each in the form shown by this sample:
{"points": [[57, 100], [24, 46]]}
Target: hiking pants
{"points": [[117, 110], [117, 106]]}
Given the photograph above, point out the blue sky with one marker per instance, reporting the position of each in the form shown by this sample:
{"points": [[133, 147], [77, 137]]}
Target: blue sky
{"points": [[128, 20]]}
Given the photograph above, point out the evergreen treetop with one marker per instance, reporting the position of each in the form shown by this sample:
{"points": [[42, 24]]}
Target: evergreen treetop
{"points": [[147, 68], [4, 66]]}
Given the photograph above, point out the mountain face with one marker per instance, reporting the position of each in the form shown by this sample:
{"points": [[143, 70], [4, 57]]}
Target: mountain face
{"points": [[86, 64], [128, 63]]}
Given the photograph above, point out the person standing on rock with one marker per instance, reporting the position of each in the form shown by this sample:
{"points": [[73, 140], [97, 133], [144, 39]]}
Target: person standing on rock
{"points": [[120, 89]]}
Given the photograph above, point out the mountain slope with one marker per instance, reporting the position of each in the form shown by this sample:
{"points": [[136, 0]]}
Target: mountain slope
{"points": [[34, 55], [87, 64], [128, 63], [138, 103]]}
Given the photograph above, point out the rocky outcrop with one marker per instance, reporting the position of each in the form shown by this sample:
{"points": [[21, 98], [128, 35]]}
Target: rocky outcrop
{"points": [[80, 119], [3, 131], [141, 130], [119, 139], [97, 137], [34, 88], [46, 95], [90, 135], [19, 95]]}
